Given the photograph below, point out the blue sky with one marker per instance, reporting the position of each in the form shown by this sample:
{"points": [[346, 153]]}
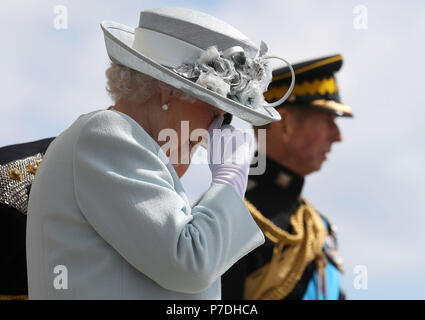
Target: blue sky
{"points": [[373, 184]]}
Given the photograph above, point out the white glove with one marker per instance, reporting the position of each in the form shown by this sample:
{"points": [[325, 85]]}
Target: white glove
{"points": [[229, 155]]}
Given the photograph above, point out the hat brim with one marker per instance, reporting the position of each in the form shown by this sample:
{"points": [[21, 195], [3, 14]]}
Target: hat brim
{"points": [[331, 106], [119, 40]]}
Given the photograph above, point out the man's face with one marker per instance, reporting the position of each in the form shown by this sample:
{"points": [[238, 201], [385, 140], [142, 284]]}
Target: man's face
{"points": [[311, 138]]}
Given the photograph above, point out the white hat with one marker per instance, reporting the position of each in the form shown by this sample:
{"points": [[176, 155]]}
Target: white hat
{"points": [[168, 41]]}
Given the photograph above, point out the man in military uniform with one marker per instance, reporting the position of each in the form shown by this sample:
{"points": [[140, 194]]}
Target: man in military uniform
{"points": [[299, 259], [18, 165]]}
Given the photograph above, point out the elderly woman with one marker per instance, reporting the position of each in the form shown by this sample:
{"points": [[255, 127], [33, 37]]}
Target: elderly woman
{"points": [[108, 217]]}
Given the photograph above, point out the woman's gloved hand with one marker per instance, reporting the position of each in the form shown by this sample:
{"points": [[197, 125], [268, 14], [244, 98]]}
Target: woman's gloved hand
{"points": [[229, 155]]}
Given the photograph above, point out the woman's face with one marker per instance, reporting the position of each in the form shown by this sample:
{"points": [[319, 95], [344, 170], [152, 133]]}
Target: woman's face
{"points": [[191, 122]]}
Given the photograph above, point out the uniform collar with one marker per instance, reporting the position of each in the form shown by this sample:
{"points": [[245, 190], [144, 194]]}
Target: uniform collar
{"points": [[280, 177]]}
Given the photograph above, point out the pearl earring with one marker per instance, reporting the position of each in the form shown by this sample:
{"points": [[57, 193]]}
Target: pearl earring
{"points": [[164, 107]]}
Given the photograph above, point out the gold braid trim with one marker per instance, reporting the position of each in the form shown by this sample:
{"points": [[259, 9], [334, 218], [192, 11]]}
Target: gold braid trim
{"points": [[275, 280], [317, 86], [13, 297]]}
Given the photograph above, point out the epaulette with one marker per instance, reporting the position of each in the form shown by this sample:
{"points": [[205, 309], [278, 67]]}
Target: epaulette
{"points": [[16, 178], [18, 166]]}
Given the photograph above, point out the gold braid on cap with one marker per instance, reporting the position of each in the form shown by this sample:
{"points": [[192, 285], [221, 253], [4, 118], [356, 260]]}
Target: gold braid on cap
{"points": [[275, 280], [317, 86]]}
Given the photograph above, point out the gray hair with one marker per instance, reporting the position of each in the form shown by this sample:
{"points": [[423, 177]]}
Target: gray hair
{"points": [[128, 84]]}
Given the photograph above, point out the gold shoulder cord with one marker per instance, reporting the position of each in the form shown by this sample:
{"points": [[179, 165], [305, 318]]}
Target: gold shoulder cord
{"points": [[275, 280]]}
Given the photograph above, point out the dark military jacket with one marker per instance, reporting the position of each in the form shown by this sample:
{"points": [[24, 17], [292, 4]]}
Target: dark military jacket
{"points": [[14, 196], [276, 194]]}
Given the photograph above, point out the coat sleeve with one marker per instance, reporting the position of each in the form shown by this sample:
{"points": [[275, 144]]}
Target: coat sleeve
{"points": [[128, 196]]}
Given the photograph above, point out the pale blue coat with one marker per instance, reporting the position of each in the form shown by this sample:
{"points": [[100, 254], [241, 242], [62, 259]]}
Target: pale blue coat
{"points": [[108, 206]]}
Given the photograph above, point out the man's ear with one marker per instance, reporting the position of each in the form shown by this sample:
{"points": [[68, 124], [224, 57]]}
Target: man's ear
{"points": [[285, 125]]}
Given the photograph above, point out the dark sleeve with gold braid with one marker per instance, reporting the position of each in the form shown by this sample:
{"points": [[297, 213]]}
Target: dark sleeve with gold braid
{"points": [[17, 166]]}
